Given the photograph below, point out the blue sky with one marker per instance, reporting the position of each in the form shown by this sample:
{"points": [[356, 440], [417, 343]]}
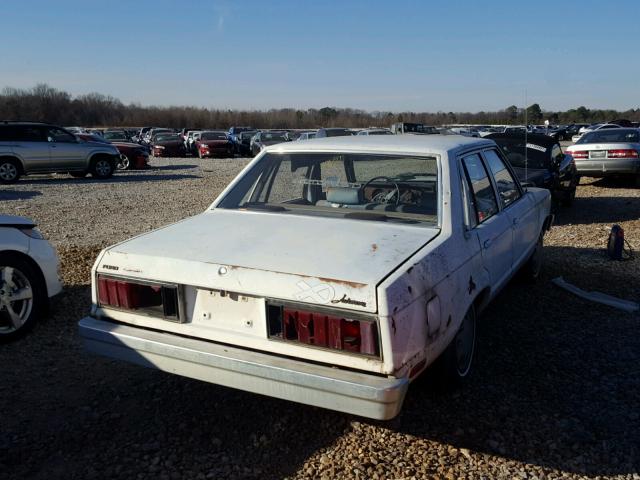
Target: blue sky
{"points": [[425, 55]]}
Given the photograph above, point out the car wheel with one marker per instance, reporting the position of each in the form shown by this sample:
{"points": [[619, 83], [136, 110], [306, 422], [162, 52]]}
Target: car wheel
{"points": [[102, 168], [9, 171], [123, 163], [530, 271], [569, 197], [456, 362], [78, 174], [22, 297]]}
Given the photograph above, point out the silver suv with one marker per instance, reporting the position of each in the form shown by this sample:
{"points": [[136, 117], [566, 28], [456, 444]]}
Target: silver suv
{"points": [[27, 147]]}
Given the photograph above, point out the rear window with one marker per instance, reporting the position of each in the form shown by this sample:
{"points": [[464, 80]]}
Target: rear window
{"points": [[521, 154], [349, 185], [611, 136]]}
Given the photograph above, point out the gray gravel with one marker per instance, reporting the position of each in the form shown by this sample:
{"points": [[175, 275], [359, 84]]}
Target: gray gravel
{"points": [[555, 393]]}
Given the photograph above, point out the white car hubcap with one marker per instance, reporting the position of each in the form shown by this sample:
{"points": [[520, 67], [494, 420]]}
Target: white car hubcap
{"points": [[16, 299]]}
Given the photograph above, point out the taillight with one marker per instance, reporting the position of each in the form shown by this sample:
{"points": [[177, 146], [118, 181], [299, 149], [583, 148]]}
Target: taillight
{"points": [[623, 153], [323, 330], [579, 154], [155, 299]]}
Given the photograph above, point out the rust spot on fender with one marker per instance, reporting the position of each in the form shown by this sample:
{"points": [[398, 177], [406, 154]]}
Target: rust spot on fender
{"points": [[374, 247]]}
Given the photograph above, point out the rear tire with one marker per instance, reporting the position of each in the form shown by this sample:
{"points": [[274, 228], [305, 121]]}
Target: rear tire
{"points": [[455, 364], [530, 271], [9, 170], [569, 197], [23, 297], [102, 168]]}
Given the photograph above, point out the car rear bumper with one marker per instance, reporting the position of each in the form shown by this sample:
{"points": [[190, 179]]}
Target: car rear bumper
{"points": [[603, 168], [350, 392]]}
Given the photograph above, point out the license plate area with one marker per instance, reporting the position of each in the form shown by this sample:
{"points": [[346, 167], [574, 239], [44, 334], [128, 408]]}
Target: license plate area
{"points": [[598, 154], [230, 311]]}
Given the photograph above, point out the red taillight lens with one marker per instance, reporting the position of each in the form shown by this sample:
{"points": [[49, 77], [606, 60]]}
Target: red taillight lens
{"points": [[160, 300], [323, 330], [579, 154], [622, 153]]}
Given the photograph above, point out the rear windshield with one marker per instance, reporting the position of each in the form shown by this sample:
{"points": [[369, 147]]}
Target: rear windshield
{"points": [[213, 136], [533, 156], [611, 136], [345, 185]]}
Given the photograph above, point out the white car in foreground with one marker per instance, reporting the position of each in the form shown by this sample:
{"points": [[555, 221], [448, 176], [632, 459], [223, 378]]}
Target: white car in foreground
{"points": [[330, 272], [28, 275]]}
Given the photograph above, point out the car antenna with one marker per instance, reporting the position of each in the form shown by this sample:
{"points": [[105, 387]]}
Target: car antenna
{"points": [[526, 148]]}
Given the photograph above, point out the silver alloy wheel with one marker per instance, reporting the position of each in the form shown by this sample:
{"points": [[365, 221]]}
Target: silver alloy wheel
{"points": [[103, 168], [8, 172], [465, 344], [16, 299], [123, 163]]}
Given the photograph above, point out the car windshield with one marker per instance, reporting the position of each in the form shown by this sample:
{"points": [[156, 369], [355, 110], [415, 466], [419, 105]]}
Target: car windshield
{"points": [[270, 137], [611, 136], [346, 185], [213, 136], [537, 156], [163, 137]]}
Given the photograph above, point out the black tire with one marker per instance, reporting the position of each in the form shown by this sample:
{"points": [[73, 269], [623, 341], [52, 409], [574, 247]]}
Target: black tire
{"points": [[124, 163], [78, 174], [102, 168], [569, 197], [17, 317], [530, 271], [10, 170], [455, 364]]}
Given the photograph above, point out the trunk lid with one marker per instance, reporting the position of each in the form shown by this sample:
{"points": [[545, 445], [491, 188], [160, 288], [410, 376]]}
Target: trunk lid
{"points": [[318, 260]]}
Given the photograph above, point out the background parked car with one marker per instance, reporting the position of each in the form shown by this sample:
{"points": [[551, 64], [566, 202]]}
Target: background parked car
{"points": [[28, 275], [375, 131], [214, 143], [306, 136], [234, 135], [243, 143], [265, 138], [132, 155], [333, 132], [167, 144], [539, 160], [42, 148], [608, 152], [593, 128]]}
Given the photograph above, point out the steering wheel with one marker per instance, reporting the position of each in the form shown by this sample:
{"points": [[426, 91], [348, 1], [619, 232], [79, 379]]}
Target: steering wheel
{"points": [[395, 193]]}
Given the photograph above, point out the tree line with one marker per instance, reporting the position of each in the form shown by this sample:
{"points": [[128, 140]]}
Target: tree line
{"points": [[44, 103]]}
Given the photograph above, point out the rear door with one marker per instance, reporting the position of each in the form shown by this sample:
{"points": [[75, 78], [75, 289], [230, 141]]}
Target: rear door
{"points": [[517, 206], [32, 147], [65, 150], [493, 227]]}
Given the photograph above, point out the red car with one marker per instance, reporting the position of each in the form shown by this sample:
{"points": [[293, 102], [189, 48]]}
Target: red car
{"points": [[132, 155], [214, 143], [167, 145]]}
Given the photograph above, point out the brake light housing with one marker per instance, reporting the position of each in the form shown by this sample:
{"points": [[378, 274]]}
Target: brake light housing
{"points": [[154, 299], [577, 154], [622, 153], [329, 330]]}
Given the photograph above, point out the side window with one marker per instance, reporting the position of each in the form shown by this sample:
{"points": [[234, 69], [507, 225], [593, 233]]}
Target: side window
{"points": [[507, 185], [28, 133], [60, 136], [483, 199], [556, 153]]}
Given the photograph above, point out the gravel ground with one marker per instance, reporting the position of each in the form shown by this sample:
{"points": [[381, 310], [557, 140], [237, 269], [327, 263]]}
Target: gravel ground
{"points": [[555, 393]]}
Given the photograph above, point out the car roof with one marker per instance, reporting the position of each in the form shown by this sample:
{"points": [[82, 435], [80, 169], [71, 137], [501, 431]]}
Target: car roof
{"points": [[540, 139], [419, 144]]}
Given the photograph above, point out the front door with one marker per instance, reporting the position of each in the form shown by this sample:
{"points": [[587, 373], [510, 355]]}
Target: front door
{"points": [[67, 154]]}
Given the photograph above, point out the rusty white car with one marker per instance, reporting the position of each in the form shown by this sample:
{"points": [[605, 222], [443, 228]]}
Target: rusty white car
{"points": [[330, 272]]}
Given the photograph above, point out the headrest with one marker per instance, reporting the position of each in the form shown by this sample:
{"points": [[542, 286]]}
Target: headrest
{"points": [[343, 195]]}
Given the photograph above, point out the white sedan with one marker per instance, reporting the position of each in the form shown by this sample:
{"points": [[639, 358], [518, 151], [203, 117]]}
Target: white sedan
{"points": [[28, 275], [330, 272]]}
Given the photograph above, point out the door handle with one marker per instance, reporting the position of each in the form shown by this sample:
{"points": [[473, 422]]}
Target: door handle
{"points": [[516, 221], [52, 146], [487, 243]]}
